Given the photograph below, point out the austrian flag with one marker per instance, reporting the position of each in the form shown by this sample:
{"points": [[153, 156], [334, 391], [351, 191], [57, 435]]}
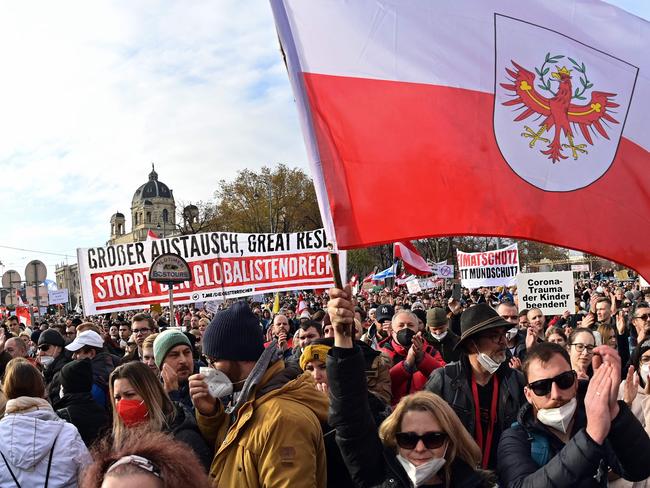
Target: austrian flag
{"points": [[525, 119]]}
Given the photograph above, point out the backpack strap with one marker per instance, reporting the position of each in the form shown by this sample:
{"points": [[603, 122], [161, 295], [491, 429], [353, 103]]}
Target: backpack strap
{"points": [[540, 447], [49, 462], [10, 471]]}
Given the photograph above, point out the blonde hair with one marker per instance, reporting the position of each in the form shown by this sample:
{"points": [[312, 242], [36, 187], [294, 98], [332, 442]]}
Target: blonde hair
{"points": [[460, 443], [89, 326], [146, 384], [148, 342]]}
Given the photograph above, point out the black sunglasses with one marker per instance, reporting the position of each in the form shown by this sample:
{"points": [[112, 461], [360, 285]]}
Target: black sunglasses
{"points": [[563, 381], [43, 347], [431, 440]]}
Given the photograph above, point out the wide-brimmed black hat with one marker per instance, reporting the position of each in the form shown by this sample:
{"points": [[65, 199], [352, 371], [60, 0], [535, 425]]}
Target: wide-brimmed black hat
{"points": [[477, 319]]}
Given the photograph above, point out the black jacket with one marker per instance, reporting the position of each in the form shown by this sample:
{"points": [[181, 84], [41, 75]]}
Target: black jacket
{"points": [[453, 383], [368, 462], [580, 463], [446, 346], [183, 428], [81, 410], [51, 375]]}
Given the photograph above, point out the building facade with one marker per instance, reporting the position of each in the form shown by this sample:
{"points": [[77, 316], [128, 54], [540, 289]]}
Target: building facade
{"points": [[67, 276], [152, 209]]}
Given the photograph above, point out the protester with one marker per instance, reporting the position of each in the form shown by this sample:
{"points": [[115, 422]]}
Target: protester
{"points": [[140, 402], [151, 461], [482, 389], [173, 355], [556, 335], [37, 447], [142, 325], [77, 405], [52, 357], [440, 336], [568, 435], [581, 350], [423, 439], [148, 357], [276, 412]]}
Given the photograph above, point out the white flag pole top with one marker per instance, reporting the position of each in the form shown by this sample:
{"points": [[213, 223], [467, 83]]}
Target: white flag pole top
{"points": [[294, 68]]}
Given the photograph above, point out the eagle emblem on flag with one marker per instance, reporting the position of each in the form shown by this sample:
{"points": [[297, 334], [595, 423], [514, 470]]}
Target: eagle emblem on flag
{"points": [[559, 110]]}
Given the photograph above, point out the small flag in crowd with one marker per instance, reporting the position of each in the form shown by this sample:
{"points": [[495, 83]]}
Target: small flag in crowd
{"points": [[414, 263]]}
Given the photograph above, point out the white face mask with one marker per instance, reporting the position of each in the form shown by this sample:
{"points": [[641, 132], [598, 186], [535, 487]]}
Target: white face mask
{"points": [[420, 474], [489, 364], [440, 336], [219, 385], [644, 372], [46, 360], [558, 418]]}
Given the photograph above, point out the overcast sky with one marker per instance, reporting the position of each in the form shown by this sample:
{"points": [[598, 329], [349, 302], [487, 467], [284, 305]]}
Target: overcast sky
{"points": [[94, 91]]}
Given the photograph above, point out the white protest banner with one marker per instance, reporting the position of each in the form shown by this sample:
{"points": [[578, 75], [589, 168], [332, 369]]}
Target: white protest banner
{"points": [[445, 271], [213, 306], [552, 293], [223, 265], [579, 268], [489, 268], [58, 296]]}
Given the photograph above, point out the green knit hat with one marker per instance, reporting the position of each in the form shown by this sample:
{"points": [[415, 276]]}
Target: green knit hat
{"points": [[165, 341]]}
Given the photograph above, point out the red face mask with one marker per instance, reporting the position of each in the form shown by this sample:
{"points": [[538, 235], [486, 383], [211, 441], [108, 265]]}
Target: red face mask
{"points": [[132, 412]]}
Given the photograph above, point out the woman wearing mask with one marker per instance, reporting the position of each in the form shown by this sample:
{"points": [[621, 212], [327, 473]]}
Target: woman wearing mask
{"points": [[422, 443], [37, 448], [140, 401], [581, 347]]}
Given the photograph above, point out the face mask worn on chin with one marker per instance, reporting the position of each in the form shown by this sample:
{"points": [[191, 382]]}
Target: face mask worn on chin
{"points": [[132, 412], [440, 336], [510, 335], [489, 364], [420, 474], [46, 360], [558, 418], [405, 337]]}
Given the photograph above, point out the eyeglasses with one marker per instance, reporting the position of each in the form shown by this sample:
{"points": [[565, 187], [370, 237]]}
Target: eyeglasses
{"points": [[581, 347], [496, 337], [643, 317], [563, 381], [44, 347], [431, 440], [141, 331]]}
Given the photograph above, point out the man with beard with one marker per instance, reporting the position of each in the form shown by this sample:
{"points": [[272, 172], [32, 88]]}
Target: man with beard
{"points": [[412, 359], [269, 432], [173, 355], [483, 390], [570, 434]]}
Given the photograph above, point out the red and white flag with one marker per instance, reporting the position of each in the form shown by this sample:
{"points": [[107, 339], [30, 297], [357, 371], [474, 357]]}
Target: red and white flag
{"points": [[152, 235], [23, 316], [368, 278], [414, 263], [524, 119]]}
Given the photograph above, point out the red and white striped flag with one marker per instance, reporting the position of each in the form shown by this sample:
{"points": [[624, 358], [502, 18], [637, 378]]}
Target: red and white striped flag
{"points": [[152, 235], [414, 263], [522, 118]]}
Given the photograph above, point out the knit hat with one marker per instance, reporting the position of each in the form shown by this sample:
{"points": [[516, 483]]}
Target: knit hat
{"points": [[421, 314], [234, 334], [313, 352], [436, 317], [77, 377], [51, 337], [165, 341]]}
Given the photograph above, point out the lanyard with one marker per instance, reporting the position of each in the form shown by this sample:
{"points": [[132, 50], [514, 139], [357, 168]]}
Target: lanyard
{"points": [[485, 450]]}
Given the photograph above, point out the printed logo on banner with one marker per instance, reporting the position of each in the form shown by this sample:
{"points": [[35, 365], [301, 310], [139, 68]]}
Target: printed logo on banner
{"points": [[560, 105]]}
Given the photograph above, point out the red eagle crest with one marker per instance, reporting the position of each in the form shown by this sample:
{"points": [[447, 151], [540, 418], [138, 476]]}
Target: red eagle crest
{"points": [[558, 112]]}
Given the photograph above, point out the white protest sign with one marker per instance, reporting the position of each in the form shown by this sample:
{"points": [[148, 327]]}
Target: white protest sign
{"points": [[223, 265], [489, 268], [579, 267], [552, 293], [413, 286], [445, 271], [213, 306], [58, 296], [643, 283]]}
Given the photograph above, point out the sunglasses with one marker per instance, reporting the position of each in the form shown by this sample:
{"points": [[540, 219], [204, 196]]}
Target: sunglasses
{"points": [[563, 381], [643, 317], [431, 440], [44, 347]]}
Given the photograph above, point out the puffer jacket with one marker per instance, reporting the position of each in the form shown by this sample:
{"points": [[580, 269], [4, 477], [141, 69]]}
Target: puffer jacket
{"points": [[369, 463], [276, 438], [27, 434], [580, 463], [453, 384], [183, 428]]}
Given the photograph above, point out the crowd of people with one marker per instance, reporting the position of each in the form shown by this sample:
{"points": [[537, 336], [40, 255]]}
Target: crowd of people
{"points": [[375, 388]]}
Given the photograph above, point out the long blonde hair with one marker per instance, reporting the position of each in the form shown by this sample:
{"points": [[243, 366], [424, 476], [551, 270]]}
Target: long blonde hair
{"points": [[460, 443], [145, 383]]}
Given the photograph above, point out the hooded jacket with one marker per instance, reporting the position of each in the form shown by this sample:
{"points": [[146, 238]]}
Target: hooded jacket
{"points": [[276, 438], [27, 434]]}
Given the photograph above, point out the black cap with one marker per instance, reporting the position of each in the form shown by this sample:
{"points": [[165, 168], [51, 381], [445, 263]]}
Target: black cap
{"points": [[52, 337], [384, 312], [77, 376]]}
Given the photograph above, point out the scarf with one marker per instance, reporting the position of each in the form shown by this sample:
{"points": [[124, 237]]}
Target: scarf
{"points": [[26, 404]]}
